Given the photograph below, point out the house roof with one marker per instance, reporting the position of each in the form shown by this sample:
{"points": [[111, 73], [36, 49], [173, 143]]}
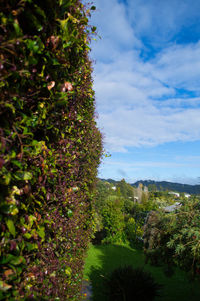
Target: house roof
{"points": [[172, 208]]}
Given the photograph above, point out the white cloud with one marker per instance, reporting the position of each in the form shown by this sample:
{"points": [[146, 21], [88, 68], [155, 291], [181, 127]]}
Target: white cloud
{"points": [[139, 127], [113, 27], [158, 21], [179, 66], [136, 100], [160, 164]]}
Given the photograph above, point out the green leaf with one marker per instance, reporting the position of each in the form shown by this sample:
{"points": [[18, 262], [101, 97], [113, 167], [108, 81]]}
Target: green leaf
{"points": [[23, 175], [2, 84], [4, 286], [31, 247], [68, 271], [63, 23], [11, 259], [17, 163], [27, 235], [31, 219], [69, 213], [53, 274], [15, 210], [32, 44], [41, 232], [27, 175], [11, 107], [7, 178], [6, 259], [17, 28], [11, 227], [17, 260]]}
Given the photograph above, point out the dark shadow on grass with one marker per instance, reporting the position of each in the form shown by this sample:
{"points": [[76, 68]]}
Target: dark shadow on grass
{"points": [[112, 256]]}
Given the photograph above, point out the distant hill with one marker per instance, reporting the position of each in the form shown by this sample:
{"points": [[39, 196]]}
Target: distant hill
{"points": [[110, 181], [164, 185]]}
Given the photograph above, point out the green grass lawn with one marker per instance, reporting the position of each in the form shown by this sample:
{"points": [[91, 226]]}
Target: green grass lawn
{"points": [[101, 260]]}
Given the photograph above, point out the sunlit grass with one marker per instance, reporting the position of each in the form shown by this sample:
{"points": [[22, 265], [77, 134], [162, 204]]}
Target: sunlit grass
{"points": [[103, 259]]}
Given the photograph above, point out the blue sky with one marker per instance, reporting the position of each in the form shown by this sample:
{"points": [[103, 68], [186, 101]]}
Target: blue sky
{"points": [[147, 84]]}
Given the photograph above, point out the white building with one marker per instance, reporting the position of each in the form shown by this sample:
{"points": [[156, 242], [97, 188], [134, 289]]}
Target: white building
{"points": [[172, 207], [174, 193], [187, 195], [114, 187]]}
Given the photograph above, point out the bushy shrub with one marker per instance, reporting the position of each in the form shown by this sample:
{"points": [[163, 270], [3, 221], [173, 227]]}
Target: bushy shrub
{"points": [[50, 148], [129, 284]]}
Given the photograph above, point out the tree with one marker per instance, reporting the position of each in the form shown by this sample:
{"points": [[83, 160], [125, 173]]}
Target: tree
{"points": [[113, 218], [173, 238], [126, 189]]}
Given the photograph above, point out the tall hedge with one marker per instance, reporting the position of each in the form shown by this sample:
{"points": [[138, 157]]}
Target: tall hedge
{"points": [[50, 148]]}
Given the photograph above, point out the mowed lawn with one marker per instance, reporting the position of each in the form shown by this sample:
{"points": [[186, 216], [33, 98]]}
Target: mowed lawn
{"points": [[101, 260]]}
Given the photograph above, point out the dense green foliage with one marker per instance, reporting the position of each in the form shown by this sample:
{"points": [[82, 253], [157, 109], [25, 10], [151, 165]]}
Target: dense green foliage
{"points": [[127, 215], [166, 225], [50, 148], [173, 238], [129, 284], [119, 217]]}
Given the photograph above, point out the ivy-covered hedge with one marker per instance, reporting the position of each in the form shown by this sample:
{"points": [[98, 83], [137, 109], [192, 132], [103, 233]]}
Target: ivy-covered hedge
{"points": [[50, 148]]}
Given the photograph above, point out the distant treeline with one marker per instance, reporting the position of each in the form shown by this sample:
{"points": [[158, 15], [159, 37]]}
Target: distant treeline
{"points": [[164, 185]]}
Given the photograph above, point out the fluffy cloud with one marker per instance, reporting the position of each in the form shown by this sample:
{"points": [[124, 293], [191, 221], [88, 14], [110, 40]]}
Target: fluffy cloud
{"points": [[139, 127], [143, 103], [179, 66], [160, 21]]}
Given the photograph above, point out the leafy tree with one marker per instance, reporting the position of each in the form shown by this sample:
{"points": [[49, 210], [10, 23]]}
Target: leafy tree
{"points": [[113, 218], [126, 189], [173, 238], [133, 230]]}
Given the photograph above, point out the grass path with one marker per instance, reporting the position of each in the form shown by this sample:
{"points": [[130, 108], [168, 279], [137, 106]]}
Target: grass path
{"points": [[101, 260]]}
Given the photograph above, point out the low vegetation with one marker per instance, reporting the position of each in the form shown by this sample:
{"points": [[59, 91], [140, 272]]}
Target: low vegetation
{"points": [[144, 229]]}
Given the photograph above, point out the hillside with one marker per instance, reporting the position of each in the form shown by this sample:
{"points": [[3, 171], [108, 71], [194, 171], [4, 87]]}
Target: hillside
{"points": [[164, 185]]}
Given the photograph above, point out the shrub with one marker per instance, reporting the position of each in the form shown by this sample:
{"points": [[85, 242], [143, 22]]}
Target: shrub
{"points": [[133, 230], [129, 284]]}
